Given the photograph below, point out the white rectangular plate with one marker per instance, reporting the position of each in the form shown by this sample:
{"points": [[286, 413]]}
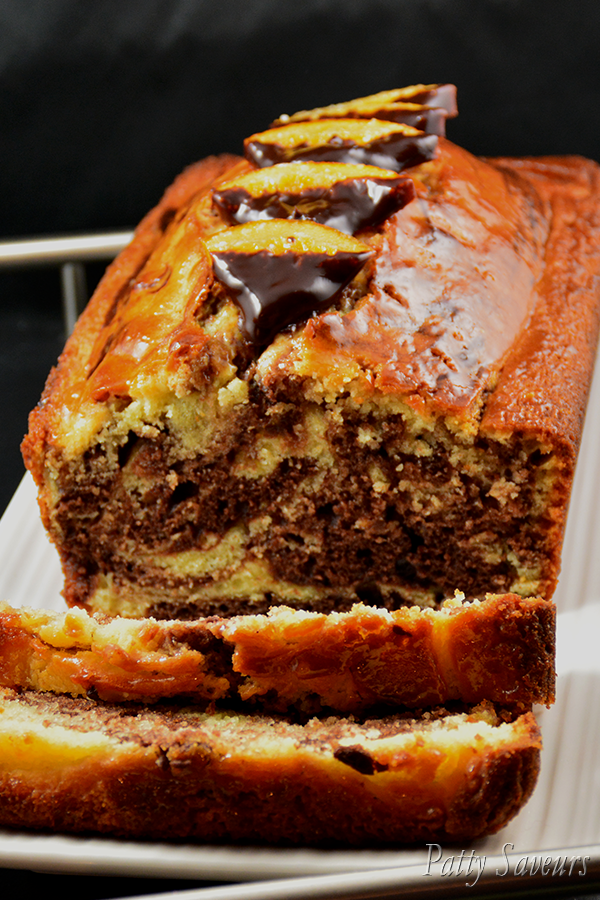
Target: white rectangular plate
{"points": [[562, 817]]}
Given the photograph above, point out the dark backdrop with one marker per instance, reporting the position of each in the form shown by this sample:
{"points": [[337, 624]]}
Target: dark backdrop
{"points": [[102, 103]]}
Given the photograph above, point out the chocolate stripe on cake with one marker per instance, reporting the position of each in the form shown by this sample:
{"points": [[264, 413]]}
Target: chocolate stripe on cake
{"points": [[280, 272]]}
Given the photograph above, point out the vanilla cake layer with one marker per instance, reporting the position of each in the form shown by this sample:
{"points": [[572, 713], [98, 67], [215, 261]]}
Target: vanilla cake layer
{"points": [[72, 765]]}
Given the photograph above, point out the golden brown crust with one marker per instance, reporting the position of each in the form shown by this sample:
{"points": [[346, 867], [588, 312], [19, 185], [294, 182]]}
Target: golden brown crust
{"points": [[500, 649], [544, 383], [94, 325], [169, 774], [453, 285]]}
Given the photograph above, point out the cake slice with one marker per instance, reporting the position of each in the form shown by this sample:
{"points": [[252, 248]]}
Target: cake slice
{"points": [[500, 649], [169, 772], [275, 411], [166, 730]]}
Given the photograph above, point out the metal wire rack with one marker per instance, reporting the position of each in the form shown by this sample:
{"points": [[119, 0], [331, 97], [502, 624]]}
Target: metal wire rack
{"points": [[70, 253]]}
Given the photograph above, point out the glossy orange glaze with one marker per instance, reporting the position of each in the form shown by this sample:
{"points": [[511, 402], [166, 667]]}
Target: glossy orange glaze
{"points": [[543, 385], [167, 339], [454, 284], [169, 290], [487, 249]]}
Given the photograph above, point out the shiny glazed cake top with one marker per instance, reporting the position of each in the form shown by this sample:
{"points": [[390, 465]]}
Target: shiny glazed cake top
{"points": [[354, 248]]}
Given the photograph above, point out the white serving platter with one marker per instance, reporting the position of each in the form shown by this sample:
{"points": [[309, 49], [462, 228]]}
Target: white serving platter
{"points": [[560, 822]]}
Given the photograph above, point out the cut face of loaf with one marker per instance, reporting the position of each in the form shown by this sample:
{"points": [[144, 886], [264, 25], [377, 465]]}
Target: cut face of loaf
{"points": [[259, 411], [69, 764], [500, 650]]}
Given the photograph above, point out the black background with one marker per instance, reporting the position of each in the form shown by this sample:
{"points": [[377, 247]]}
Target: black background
{"points": [[102, 103]]}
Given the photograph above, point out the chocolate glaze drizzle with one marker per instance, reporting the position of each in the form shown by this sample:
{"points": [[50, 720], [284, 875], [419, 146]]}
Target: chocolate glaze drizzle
{"points": [[348, 206], [394, 151], [275, 291], [431, 120], [442, 95]]}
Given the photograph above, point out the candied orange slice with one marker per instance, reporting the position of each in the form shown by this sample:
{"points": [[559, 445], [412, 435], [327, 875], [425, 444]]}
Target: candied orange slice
{"points": [[280, 272], [424, 106], [343, 196], [389, 145], [280, 236]]}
